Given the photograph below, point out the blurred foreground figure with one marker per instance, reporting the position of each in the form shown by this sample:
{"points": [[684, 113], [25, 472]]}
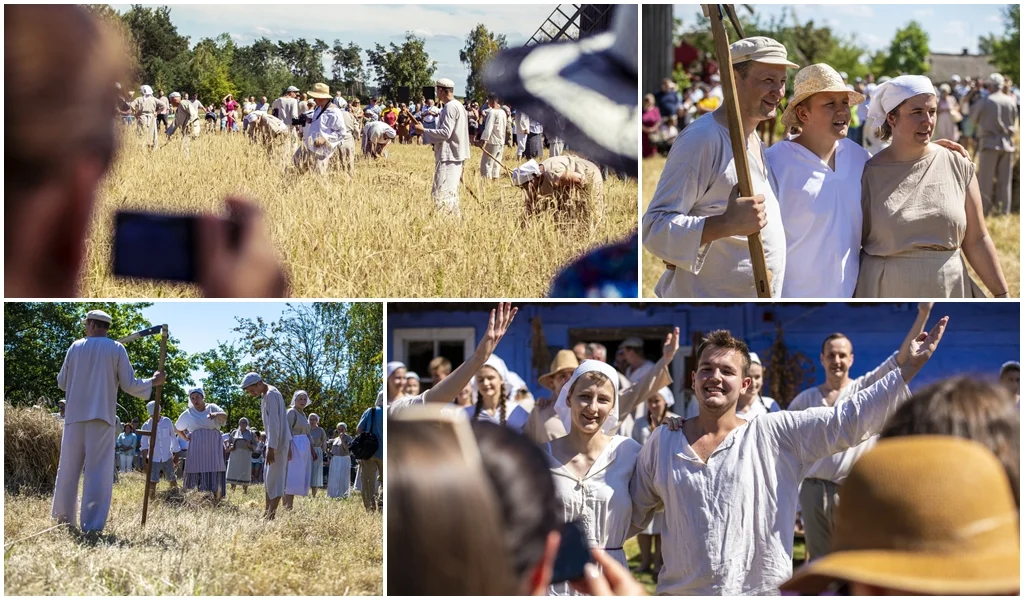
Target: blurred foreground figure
{"points": [[921, 515]]}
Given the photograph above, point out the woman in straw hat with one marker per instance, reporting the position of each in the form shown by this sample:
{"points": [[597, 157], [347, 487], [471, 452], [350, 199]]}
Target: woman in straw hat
{"points": [[922, 207], [302, 453], [202, 420], [914, 522]]}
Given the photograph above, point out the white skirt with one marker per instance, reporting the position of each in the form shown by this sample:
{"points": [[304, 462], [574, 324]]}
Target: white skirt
{"points": [[297, 477], [316, 476], [338, 477]]}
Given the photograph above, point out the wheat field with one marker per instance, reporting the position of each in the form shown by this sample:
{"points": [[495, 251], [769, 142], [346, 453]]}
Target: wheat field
{"points": [[324, 547], [1004, 230], [375, 236]]}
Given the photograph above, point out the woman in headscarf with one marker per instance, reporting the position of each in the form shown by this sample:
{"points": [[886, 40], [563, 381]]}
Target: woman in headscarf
{"points": [[318, 440], [493, 402], [341, 464], [592, 466], [200, 424], [658, 405], [397, 381], [948, 117], [412, 383], [126, 448], [241, 443], [144, 107], [921, 205], [302, 453]]}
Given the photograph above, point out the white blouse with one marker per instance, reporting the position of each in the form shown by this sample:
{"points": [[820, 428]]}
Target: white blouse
{"points": [[515, 416], [600, 499], [193, 420]]}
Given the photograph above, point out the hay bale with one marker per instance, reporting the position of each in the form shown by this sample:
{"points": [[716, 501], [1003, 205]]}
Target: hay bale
{"points": [[31, 450]]}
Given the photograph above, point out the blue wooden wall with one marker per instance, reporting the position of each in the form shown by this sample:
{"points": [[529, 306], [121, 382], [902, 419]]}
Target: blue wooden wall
{"points": [[980, 336]]}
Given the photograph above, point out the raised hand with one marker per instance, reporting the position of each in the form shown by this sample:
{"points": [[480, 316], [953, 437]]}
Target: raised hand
{"points": [[500, 320], [671, 345], [921, 350]]}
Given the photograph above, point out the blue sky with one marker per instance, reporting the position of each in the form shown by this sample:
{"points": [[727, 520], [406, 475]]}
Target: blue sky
{"points": [[444, 27], [950, 27], [200, 326]]}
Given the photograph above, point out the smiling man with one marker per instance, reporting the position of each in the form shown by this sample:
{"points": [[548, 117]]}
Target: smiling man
{"points": [[729, 486], [697, 223], [819, 492]]}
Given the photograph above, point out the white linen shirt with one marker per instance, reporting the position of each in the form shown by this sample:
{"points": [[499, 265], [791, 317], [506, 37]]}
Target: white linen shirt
{"points": [[330, 125], [695, 184], [822, 216], [93, 369], [451, 137], [729, 522], [167, 442], [194, 420], [835, 468], [272, 411], [600, 499], [494, 127], [759, 406]]}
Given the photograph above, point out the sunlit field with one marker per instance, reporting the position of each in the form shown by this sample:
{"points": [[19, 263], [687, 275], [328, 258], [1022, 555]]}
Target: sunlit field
{"points": [[1005, 231], [377, 235]]}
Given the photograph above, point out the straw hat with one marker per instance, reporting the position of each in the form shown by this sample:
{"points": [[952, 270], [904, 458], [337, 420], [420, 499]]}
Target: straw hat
{"points": [[565, 359], [320, 90], [924, 515], [814, 80]]}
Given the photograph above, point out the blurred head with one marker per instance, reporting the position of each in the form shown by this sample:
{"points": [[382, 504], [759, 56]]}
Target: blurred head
{"points": [[837, 356], [197, 398], [591, 399], [440, 367], [648, 101], [50, 189], [666, 84], [128, 428], [492, 100], [96, 328], [396, 380], [969, 408], [721, 375], [489, 383], [756, 373], [243, 424], [465, 397], [597, 352], [412, 385], [912, 121], [580, 350], [1009, 376]]}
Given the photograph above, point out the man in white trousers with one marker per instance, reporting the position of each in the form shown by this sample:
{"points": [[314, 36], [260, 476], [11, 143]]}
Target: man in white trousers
{"points": [[286, 108], [492, 139], [451, 147], [93, 369], [165, 454], [522, 130], [279, 439]]}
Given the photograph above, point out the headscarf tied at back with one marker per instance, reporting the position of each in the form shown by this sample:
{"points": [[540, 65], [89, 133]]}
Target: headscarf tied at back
{"points": [[894, 92], [562, 408], [296, 395]]}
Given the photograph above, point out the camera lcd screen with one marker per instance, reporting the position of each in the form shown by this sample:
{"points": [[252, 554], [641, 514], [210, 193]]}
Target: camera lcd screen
{"points": [[154, 246]]}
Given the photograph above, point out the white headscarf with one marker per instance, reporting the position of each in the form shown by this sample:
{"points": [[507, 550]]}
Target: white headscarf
{"points": [[667, 395], [562, 408], [515, 383], [146, 91], [394, 366], [894, 92], [296, 395], [498, 365]]}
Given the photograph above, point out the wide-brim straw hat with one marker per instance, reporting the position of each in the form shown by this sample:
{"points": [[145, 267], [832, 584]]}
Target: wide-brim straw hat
{"points": [[584, 91], [922, 515], [565, 359], [320, 90], [816, 79]]}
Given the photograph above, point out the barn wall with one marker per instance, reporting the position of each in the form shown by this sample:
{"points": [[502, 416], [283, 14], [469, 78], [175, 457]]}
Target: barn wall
{"points": [[980, 337]]}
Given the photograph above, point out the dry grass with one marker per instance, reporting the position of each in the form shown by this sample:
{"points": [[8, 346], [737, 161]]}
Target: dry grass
{"points": [[375, 236], [1005, 231], [189, 547], [31, 450]]}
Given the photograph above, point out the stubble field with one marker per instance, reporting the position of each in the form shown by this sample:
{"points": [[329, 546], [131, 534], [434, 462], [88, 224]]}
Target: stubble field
{"points": [[377, 235]]}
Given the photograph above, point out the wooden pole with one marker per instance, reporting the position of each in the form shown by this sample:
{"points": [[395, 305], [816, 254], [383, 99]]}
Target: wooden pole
{"points": [[497, 160], [153, 437], [762, 278]]}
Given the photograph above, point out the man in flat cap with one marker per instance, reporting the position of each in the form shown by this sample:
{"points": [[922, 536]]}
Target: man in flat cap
{"points": [[451, 147], [95, 366], [279, 438], [697, 223]]}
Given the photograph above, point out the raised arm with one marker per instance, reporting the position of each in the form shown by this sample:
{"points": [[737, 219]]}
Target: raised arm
{"points": [[140, 388], [924, 309], [655, 379], [448, 388], [818, 432]]}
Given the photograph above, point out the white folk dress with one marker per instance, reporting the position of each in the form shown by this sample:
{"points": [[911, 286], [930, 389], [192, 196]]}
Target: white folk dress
{"points": [[600, 499]]}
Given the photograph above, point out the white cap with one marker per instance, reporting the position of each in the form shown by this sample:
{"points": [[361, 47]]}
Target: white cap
{"points": [[755, 359], [174, 95], [97, 315], [412, 375], [526, 173], [292, 88], [445, 83], [996, 79], [150, 407], [1012, 364], [250, 378]]}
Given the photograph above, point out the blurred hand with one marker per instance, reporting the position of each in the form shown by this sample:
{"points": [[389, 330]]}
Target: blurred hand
{"points": [[922, 348], [248, 270], [671, 346], [320, 141], [501, 319], [953, 147], [159, 378], [271, 456], [615, 580], [674, 423]]}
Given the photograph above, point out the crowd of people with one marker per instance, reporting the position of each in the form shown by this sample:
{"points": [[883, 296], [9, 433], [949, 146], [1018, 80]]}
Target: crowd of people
{"points": [[901, 216], [483, 475], [294, 456]]}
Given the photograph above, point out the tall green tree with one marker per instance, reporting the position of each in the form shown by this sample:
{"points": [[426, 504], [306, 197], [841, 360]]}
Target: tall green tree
{"points": [[225, 366], [347, 69], [160, 46], [258, 69], [481, 46], [304, 60], [405, 65], [37, 336], [1005, 50], [908, 53], [210, 66]]}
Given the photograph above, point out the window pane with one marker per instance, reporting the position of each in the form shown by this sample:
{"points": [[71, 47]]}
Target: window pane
{"points": [[419, 355]]}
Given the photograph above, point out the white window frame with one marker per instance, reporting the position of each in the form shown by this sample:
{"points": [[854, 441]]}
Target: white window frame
{"points": [[433, 334]]}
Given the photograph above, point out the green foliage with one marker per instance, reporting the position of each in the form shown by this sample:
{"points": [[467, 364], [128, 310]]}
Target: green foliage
{"points": [[160, 48], [304, 61], [209, 68], [1005, 50], [347, 69], [681, 77], [408, 64], [37, 336], [908, 53], [481, 46], [225, 366]]}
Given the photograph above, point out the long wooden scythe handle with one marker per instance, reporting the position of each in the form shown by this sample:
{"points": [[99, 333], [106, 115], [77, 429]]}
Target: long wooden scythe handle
{"points": [[155, 423], [762, 278]]}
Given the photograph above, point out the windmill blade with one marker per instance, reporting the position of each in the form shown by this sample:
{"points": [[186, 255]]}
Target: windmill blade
{"points": [[141, 334]]}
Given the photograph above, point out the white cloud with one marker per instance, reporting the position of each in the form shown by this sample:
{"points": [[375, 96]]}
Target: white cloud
{"points": [[852, 10], [994, 19], [238, 37], [924, 12], [957, 28]]}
